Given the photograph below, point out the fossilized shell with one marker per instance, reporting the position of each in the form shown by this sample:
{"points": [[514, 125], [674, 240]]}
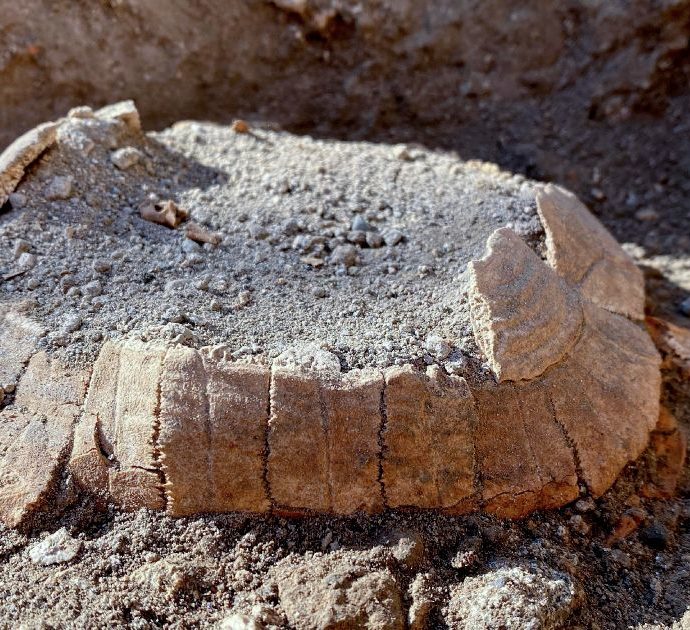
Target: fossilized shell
{"points": [[573, 398], [525, 318], [583, 252], [21, 153]]}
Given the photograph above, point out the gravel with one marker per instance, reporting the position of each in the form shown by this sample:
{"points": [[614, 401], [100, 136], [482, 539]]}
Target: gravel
{"points": [[336, 243]]}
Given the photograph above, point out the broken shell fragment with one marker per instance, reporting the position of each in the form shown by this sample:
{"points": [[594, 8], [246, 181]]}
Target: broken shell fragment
{"points": [[199, 234], [561, 392], [525, 318], [21, 153], [167, 213], [583, 252]]}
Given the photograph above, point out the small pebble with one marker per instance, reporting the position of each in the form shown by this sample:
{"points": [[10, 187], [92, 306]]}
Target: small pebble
{"points": [[647, 214], [72, 323], [319, 292], [125, 158], [437, 346], [17, 200], [655, 535], [174, 316], [190, 247], [240, 126], [57, 548], [360, 225], [579, 524], [345, 255], [358, 238], [26, 261], [374, 239], [102, 266], [257, 232], [290, 227], [21, 246], [392, 237], [92, 289], [59, 188]]}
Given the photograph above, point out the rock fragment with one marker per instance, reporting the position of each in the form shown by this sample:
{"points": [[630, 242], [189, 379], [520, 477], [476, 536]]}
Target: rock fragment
{"points": [[392, 237], [169, 577], [360, 224], [424, 595], [57, 548], [512, 598], [345, 255], [238, 621], [437, 346], [334, 592], [124, 111], [21, 246], [126, 157], [59, 188]]}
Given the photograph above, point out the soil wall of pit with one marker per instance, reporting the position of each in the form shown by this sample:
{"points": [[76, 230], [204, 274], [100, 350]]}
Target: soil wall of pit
{"points": [[585, 93]]}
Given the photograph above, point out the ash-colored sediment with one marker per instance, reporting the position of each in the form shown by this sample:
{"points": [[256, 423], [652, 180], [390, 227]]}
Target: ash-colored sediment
{"points": [[357, 246], [533, 383]]}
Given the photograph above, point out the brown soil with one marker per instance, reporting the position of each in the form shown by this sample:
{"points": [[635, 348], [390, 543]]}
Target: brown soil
{"points": [[591, 95]]}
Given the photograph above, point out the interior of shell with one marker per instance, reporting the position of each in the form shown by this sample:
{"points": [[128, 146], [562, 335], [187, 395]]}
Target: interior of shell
{"points": [[571, 397]]}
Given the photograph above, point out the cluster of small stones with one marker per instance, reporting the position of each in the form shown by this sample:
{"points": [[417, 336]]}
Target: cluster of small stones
{"points": [[164, 426]]}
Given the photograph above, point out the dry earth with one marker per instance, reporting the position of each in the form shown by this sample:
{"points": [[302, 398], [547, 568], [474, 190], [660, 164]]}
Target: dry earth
{"points": [[604, 113]]}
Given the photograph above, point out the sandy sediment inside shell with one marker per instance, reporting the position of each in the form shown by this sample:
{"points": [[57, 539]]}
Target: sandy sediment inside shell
{"points": [[284, 207]]}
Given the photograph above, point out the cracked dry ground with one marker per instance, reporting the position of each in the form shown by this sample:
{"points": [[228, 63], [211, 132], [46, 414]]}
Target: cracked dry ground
{"points": [[616, 561]]}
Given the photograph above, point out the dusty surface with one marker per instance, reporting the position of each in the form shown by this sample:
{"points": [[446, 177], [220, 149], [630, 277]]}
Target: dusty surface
{"points": [[600, 106], [606, 116], [293, 264]]}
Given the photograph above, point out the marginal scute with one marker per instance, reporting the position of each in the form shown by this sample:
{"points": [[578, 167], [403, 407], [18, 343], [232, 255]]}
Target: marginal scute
{"points": [[297, 470], [606, 395], [352, 409], [525, 318], [238, 415], [429, 454], [583, 252], [49, 397], [18, 341], [524, 459], [113, 454], [21, 153], [213, 418], [184, 438]]}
